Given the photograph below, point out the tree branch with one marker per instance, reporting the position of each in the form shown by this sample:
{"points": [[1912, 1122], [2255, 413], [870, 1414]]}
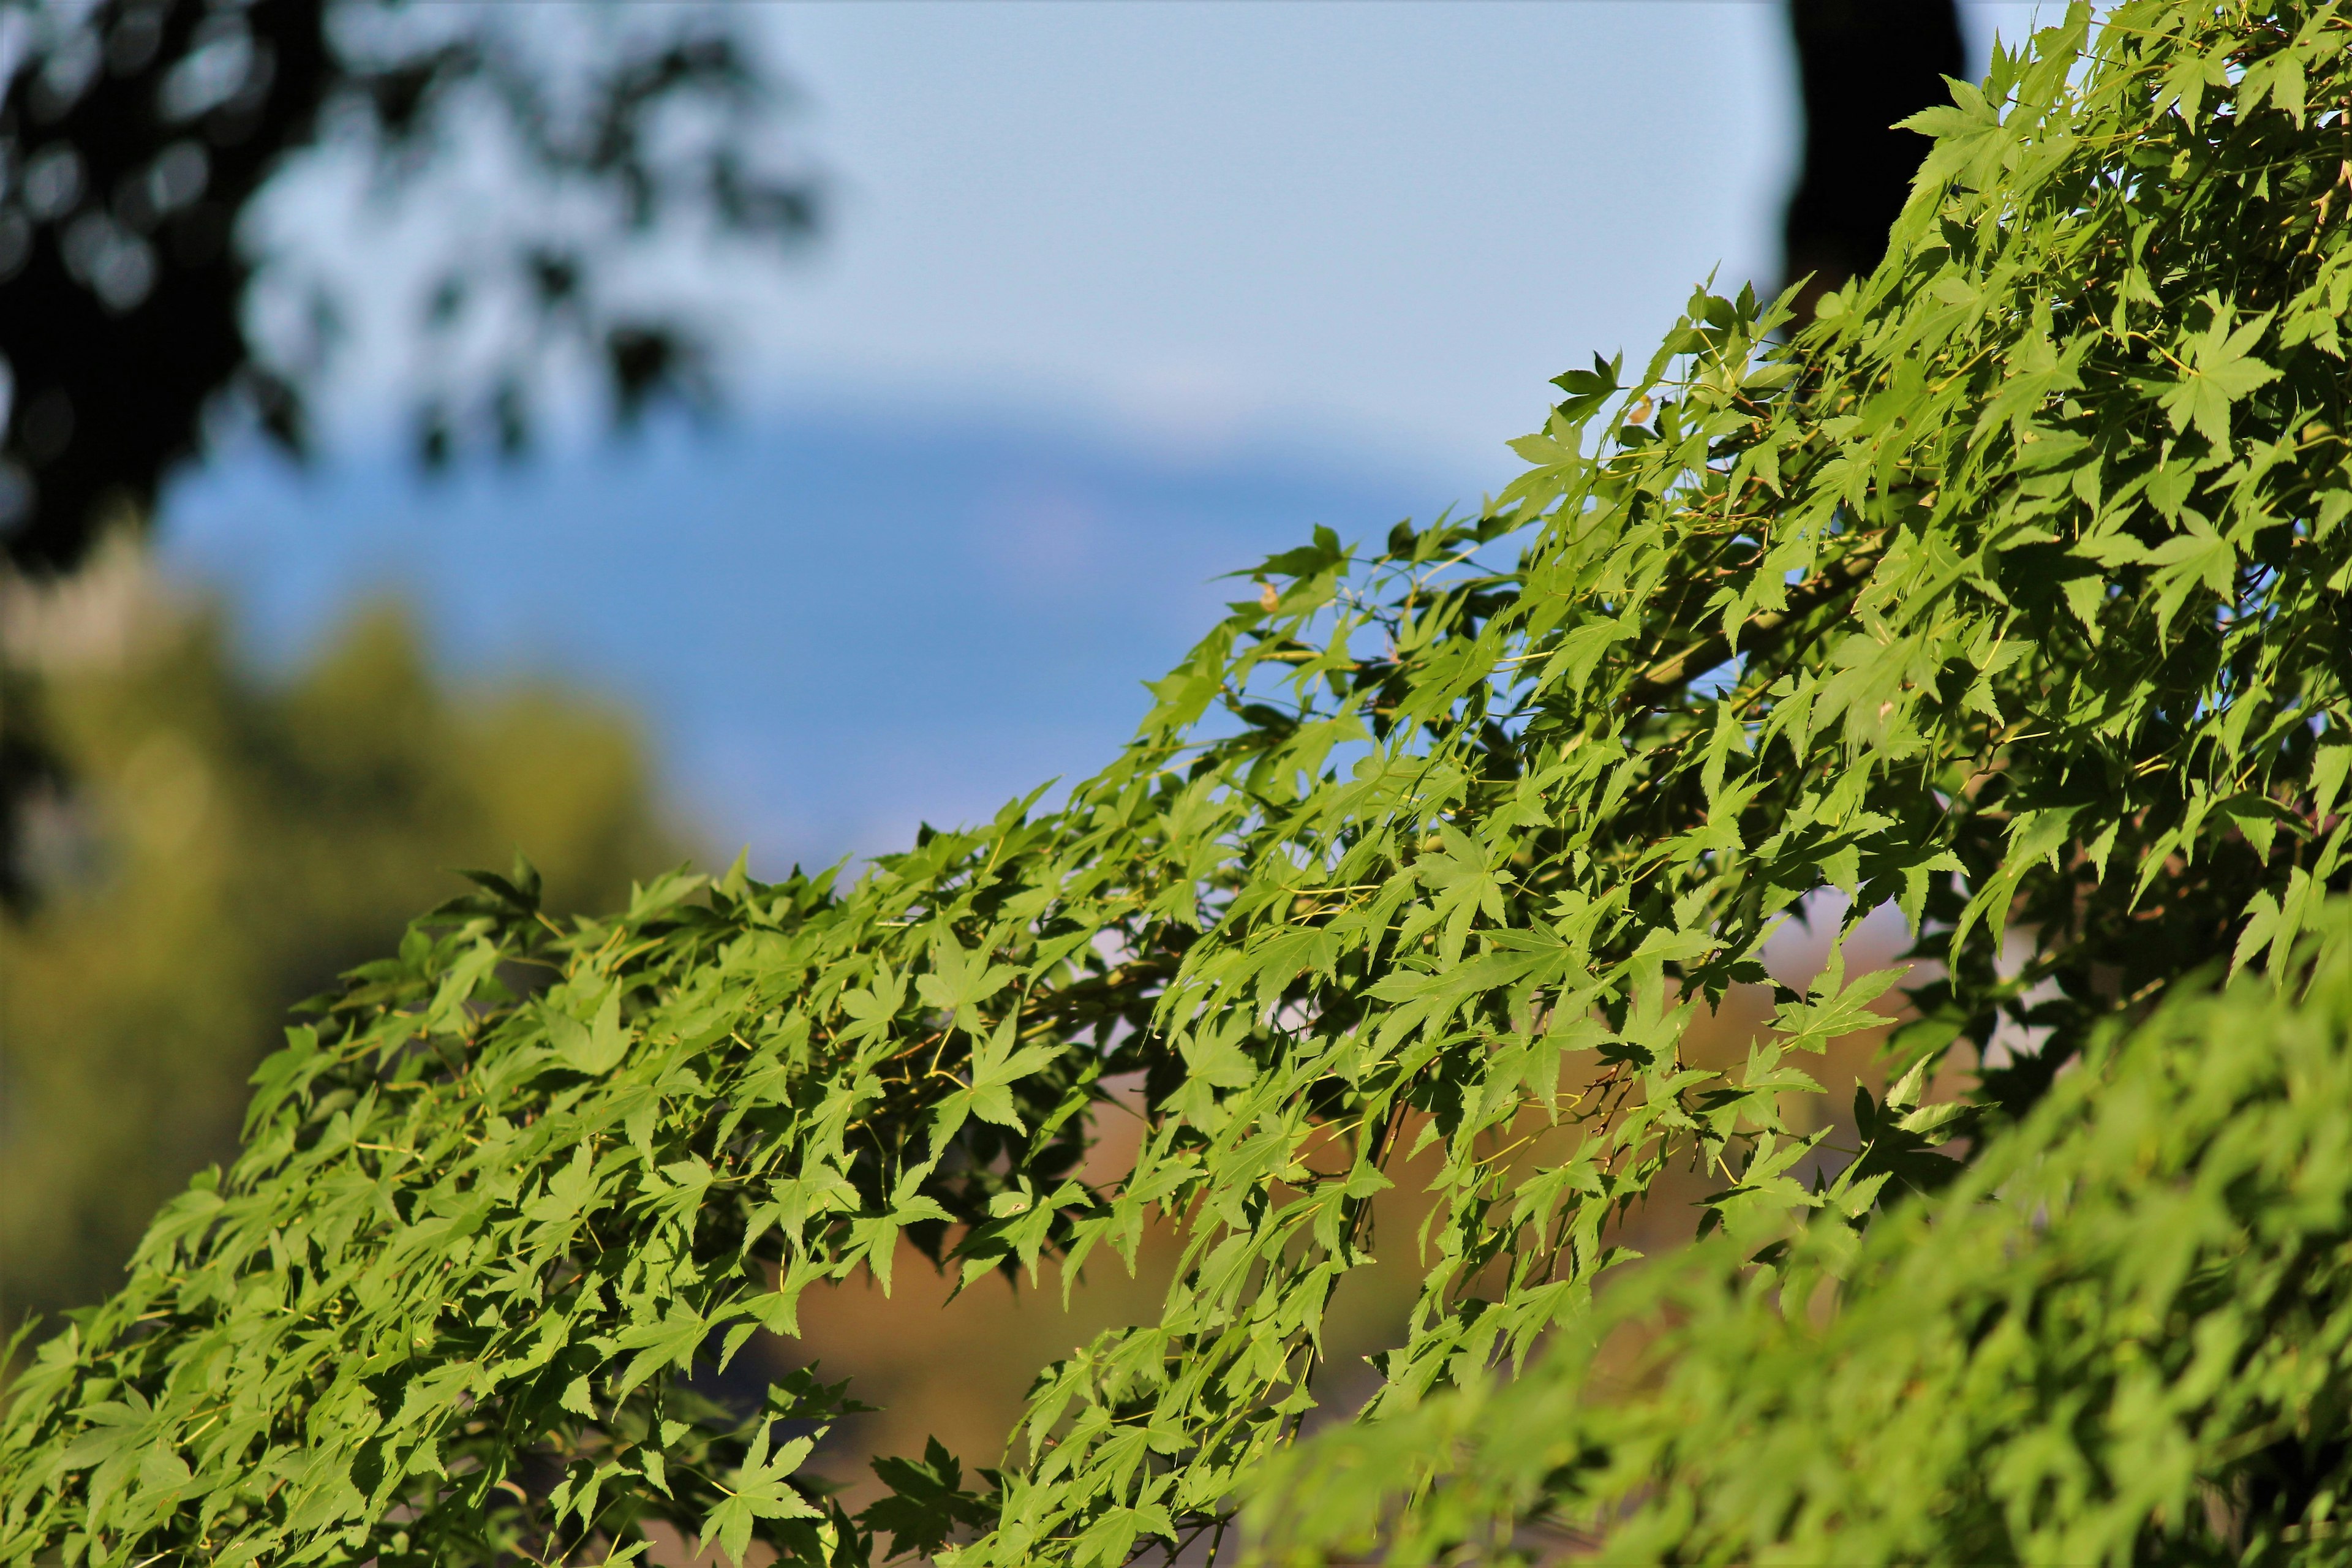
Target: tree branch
{"points": [[1761, 631]]}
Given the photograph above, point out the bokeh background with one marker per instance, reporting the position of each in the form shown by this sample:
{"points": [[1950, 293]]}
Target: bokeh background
{"points": [[1089, 304]]}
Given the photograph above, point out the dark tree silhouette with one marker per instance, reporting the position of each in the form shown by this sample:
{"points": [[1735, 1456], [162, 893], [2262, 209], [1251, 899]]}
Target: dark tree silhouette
{"points": [[1862, 65], [136, 134]]}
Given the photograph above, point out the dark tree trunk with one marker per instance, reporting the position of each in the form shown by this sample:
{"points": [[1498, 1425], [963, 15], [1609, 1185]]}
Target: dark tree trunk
{"points": [[1862, 65]]}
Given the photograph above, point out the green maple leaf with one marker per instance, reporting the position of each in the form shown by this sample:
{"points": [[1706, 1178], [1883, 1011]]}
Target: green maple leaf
{"points": [[996, 1067], [763, 1490], [2219, 372]]}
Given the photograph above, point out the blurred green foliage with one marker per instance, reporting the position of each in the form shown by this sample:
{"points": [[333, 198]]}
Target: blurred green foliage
{"points": [[2121, 1336], [229, 846]]}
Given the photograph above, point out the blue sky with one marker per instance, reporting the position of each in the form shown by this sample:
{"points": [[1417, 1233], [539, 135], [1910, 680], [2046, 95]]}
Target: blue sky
{"points": [[1114, 297]]}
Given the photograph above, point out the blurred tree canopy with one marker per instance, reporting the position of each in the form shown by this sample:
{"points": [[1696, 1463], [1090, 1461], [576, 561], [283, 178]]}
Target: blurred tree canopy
{"points": [[231, 846], [137, 136]]}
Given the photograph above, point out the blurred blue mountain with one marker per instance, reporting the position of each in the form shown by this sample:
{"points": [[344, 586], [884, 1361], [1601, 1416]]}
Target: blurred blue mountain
{"points": [[837, 622]]}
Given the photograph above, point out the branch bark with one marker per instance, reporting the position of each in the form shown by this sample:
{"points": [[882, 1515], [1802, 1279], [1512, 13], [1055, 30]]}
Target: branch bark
{"points": [[1758, 633]]}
